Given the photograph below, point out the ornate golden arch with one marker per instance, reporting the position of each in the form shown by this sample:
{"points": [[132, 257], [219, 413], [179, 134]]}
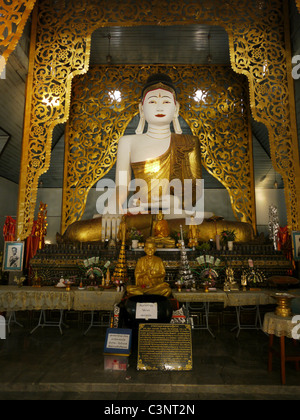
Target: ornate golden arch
{"points": [[259, 48], [14, 15]]}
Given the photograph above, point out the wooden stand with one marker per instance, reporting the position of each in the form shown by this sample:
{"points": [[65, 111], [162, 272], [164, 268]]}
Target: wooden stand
{"points": [[283, 357]]}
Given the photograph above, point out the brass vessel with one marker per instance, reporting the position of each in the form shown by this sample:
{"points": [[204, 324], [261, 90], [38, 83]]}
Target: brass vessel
{"points": [[283, 301]]}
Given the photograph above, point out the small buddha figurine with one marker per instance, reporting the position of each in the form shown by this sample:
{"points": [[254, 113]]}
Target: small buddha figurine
{"points": [[230, 282], [162, 233], [244, 282], [150, 274], [193, 234]]}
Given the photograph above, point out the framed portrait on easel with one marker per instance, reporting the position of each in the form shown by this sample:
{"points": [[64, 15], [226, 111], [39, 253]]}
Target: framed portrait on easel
{"points": [[13, 256], [296, 245]]}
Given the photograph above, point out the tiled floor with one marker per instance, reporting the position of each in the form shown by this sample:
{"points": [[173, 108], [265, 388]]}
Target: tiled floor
{"points": [[46, 365]]}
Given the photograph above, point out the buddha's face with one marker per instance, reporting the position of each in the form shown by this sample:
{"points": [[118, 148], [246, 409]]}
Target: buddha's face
{"points": [[149, 249], [159, 107]]}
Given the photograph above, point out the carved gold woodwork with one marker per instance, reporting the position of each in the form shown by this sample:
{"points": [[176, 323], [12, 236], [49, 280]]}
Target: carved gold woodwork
{"points": [[14, 15], [213, 103], [259, 49], [298, 5]]}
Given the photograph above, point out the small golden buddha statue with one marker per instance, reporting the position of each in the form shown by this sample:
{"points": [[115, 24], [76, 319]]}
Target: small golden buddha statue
{"points": [[193, 234], [122, 230], [162, 233], [150, 274], [230, 283]]}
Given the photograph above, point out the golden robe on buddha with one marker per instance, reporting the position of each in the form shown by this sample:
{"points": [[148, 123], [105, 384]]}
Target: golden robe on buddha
{"points": [[181, 161], [162, 233], [161, 227]]}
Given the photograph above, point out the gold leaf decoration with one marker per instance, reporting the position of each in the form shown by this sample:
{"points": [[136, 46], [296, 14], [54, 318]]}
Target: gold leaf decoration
{"points": [[259, 49], [14, 15]]}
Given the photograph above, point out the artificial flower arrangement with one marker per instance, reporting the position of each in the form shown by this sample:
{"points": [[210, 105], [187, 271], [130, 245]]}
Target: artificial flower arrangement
{"points": [[176, 235], [209, 268], [204, 247], [135, 234], [209, 281], [95, 272], [19, 280], [227, 236]]}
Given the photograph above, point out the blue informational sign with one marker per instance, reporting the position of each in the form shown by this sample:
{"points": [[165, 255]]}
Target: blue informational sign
{"points": [[118, 341]]}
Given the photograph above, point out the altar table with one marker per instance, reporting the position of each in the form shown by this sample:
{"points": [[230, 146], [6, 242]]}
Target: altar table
{"points": [[249, 300], [13, 299], [188, 298], [281, 327], [85, 300], [199, 296], [238, 299], [232, 298]]}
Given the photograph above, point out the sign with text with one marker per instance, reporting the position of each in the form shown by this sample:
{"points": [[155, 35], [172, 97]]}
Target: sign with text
{"points": [[165, 347], [118, 341], [296, 328], [146, 310], [2, 328]]}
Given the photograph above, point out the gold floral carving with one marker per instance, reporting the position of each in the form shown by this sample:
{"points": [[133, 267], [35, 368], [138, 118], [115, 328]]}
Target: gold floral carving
{"points": [[14, 15], [298, 5], [213, 103], [259, 49], [264, 56]]}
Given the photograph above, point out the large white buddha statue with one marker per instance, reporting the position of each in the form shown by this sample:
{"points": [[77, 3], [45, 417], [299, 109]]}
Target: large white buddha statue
{"points": [[162, 162], [159, 159]]}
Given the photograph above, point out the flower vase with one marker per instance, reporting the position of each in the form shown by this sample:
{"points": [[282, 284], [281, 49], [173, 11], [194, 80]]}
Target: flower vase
{"points": [[230, 245], [206, 290], [134, 243]]}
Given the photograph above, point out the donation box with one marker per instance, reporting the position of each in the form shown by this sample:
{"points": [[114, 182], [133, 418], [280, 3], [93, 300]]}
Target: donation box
{"points": [[117, 348]]}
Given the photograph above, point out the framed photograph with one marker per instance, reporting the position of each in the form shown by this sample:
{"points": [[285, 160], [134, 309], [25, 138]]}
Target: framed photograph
{"points": [[296, 245], [13, 256]]}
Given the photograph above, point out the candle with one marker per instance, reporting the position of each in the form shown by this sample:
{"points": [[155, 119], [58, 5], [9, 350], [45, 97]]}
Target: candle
{"points": [[218, 246], [108, 229], [113, 228], [103, 229]]}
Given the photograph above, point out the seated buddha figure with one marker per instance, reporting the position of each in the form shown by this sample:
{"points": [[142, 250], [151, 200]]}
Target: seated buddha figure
{"points": [[160, 160], [161, 233], [149, 274]]}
